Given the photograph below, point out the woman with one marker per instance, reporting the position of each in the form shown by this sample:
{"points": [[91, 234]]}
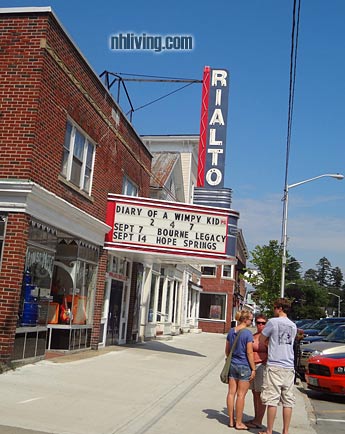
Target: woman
{"points": [[242, 367], [260, 358]]}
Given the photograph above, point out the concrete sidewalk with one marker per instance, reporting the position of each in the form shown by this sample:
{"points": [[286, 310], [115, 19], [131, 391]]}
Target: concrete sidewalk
{"points": [[170, 387]]}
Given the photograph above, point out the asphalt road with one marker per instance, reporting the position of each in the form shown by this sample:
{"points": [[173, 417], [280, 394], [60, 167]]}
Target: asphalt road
{"points": [[328, 410]]}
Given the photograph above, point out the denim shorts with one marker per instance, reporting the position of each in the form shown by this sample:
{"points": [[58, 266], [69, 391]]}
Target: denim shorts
{"points": [[240, 372]]}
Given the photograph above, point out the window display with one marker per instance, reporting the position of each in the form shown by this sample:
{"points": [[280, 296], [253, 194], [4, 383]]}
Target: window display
{"points": [[58, 290], [212, 306]]}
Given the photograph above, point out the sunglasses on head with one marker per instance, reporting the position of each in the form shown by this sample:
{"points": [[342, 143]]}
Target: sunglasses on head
{"points": [[261, 322]]}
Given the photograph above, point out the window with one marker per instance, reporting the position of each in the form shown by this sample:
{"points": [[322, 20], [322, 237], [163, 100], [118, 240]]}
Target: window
{"points": [[208, 271], [78, 158], [227, 271], [3, 220], [129, 188], [212, 306]]}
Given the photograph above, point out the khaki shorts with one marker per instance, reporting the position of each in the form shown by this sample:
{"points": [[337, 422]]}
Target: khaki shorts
{"points": [[257, 383], [278, 387]]}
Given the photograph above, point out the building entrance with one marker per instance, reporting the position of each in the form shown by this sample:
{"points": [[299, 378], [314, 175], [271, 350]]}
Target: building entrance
{"points": [[114, 314]]}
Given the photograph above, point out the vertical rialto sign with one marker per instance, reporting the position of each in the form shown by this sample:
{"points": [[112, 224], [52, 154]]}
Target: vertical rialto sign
{"points": [[213, 126]]}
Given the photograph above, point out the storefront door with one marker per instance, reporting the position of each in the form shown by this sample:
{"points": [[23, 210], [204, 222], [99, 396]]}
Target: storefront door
{"points": [[114, 314]]}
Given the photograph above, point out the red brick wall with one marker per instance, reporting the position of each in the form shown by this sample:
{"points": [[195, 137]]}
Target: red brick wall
{"points": [[11, 276], [44, 80], [36, 101], [99, 297], [225, 286]]}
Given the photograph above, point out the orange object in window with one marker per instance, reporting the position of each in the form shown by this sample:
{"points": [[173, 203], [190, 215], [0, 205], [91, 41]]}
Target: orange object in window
{"points": [[53, 313]]}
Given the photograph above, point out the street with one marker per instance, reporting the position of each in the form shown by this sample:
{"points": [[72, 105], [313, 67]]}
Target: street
{"points": [[154, 387], [329, 411]]}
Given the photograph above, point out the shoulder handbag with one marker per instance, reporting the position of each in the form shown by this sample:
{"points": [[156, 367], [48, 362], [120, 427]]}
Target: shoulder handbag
{"points": [[224, 375]]}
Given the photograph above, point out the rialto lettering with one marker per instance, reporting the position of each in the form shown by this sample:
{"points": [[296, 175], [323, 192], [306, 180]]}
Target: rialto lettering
{"points": [[217, 124]]}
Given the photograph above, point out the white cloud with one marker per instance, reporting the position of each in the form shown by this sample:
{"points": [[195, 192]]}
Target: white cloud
{"points": [[312, 231]]}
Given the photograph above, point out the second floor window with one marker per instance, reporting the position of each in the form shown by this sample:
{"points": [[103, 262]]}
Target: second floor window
{"points": [[208, 271], [129, 188], [78, 158]]}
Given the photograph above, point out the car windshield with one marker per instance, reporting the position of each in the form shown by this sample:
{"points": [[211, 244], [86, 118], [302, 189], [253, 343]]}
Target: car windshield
{"points": [[328, 329], [337, 335], [317, 325], [310, 324]]}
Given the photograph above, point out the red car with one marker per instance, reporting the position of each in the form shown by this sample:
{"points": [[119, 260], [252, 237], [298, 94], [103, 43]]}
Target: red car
{"points": [[327, 373]]}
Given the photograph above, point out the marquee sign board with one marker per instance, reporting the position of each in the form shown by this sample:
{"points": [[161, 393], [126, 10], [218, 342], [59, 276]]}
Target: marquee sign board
{"points": [[169, 227]]}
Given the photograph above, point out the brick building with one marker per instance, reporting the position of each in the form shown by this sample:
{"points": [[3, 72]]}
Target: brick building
{"points": [[65, 145], [69, 155]]}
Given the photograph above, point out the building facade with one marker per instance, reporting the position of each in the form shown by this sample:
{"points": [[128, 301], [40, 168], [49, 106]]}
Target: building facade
{"points": [[222, 288], [65, 145], [69, 156]]}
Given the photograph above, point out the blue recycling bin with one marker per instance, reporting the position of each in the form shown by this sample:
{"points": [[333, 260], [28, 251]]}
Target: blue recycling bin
{"points": [[30, 313], [30, 306]]}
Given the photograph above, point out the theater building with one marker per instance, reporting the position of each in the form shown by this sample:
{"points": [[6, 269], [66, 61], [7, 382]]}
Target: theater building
{"points": [[79, 268], [222, 288]]}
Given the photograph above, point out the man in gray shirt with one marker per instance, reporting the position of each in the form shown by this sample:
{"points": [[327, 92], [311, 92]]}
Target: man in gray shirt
{"points": [[278, 386]]}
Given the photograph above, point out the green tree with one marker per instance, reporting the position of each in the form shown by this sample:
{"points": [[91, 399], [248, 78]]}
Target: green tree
{"points": [[324, 272], [336, 278], [292, 270], [308, 299], [311, 274], [267, 275]]}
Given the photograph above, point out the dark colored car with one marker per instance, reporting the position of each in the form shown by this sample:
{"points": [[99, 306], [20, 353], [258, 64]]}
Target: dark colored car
{"points": [[327, 373], [322, 323], [322, 334], [300, 323]]}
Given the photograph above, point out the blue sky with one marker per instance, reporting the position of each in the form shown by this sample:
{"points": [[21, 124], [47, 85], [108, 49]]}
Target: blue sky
{"points": [[252, 39]]}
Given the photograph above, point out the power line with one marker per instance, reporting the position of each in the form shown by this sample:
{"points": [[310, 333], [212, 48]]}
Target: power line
{"points": [[163, 96], [292, 82]]}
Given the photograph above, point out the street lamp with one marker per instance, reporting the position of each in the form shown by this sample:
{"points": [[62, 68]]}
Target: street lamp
{"points": [[285, 219], [336, 295]]}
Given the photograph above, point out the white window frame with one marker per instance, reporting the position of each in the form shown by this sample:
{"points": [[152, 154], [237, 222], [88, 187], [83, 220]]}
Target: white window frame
{"points": [[219, 294], [67, 162], [232, 274], [129, 188]]}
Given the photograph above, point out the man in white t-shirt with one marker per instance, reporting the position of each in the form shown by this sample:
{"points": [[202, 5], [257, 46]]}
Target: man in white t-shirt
{"points": [[278, 386]]}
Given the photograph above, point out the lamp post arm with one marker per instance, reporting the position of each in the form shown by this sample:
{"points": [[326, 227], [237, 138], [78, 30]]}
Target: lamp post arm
{"points": [[284, 234], [328, 175]]}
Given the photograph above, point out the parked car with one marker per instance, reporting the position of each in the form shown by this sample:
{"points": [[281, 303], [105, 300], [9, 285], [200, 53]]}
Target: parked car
{"points": [[304, 322], [321, 335], [319, 325], [333, 343], [326, 373]]}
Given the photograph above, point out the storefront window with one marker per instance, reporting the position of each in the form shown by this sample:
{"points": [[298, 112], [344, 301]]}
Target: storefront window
{"points": [[39, 264], [74, 283], [212, 306], [118, 266]]}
